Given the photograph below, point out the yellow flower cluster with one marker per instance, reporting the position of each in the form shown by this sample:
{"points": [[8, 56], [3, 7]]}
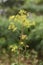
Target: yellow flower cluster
{"points": [[12, 27], [22, 12], [21, 17], [13, 47], [23, 37]]}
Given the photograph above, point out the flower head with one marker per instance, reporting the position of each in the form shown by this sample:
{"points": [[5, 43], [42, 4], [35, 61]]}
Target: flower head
{"points": [[13, 47], [22, 12], [23, 37], [12, 27]]}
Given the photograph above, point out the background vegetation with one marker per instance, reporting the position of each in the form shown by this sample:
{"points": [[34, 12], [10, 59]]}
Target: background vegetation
{"points": [[21, 32]]}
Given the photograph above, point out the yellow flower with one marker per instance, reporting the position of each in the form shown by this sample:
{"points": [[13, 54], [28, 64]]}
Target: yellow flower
{"points": [[20, 17], [26, 23], [23, 37], [11, 17], [15, 29], [14, 48], [12, 27], [21, 43], [23, 17], [17, 16], [22, 11]]}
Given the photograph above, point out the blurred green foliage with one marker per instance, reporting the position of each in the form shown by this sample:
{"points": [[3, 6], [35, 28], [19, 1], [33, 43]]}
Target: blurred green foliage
{"points": [[34, 33], [13, 6]]}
